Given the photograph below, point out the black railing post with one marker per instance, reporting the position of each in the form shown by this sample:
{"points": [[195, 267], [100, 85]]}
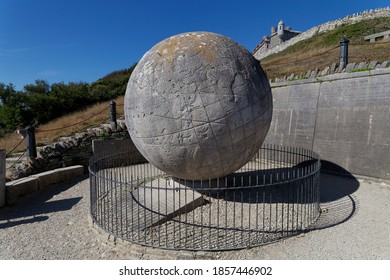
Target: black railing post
{"points": [[31, 147], [113, 122], [343, 53]]}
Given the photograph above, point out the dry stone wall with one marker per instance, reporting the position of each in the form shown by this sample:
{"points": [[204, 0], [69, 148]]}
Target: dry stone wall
{"points": [[73, 150], [334, 69]]}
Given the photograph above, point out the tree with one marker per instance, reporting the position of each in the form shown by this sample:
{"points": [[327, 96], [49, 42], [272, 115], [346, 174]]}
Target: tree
{"points": [[12, 108], [40, 87], [111, 85], [6, 93]]}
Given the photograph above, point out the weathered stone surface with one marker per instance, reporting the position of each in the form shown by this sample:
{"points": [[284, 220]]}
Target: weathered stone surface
{"points": [[198, 105], [20, 188], [350, 67], [103, 148], [314, 73], [325, 71], [332, 69], [385, 64], [362, 65], [343, 117], [163, 203], [373, 64]]}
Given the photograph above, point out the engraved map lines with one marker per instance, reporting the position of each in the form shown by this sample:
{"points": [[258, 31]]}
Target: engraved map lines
{"points": [[198, 109]]}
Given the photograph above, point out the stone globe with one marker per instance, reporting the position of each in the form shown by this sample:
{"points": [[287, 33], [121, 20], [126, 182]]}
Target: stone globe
{"points": [[198, 106]]}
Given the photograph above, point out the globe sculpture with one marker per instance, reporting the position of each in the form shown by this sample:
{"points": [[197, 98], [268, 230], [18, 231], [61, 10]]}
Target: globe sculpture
{"points": [[198, 106]]}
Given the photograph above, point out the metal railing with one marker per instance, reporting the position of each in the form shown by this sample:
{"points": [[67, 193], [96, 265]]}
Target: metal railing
{"points": [[275, 195]]}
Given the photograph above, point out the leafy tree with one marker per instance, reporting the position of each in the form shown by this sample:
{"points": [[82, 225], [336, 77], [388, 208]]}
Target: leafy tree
{"points": [[12, 108], [111, 85], [71, 96], [6, 93], [41, 102], [40, 87]]}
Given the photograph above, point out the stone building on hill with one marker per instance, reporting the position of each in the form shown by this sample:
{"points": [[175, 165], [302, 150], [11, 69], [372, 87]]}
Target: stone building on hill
{"points": [[278, 35], [267, 47]]}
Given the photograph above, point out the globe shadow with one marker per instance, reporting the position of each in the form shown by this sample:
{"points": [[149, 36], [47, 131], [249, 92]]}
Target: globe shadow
{"points": [[337, 200], [336, 191], [336, 182], [273, 185]]}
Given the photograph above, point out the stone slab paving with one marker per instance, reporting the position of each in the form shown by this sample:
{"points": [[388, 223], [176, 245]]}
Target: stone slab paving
{"points": [[55, 224]]}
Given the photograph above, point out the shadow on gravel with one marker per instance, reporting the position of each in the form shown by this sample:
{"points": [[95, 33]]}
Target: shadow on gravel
{"points": [[336, 182], [337, 202], [34, 208]]}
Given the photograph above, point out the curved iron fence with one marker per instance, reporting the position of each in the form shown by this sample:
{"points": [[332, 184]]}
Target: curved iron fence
{"points": [[275, 195]]}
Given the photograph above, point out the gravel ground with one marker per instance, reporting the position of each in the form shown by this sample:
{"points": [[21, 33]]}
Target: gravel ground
{"points": [[55, 224]]}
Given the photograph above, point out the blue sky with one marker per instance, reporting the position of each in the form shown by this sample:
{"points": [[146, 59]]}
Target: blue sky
{"points": [[83, 40]]}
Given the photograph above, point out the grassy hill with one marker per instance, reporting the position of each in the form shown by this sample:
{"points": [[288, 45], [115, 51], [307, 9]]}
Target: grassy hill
{"points": [[322, 50]]}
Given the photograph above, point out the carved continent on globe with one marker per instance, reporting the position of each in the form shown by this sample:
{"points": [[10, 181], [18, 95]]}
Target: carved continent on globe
{"points": [[198, 106]]}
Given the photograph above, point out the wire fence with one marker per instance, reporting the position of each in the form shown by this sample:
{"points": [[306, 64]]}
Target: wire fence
{"points": [[17, 161], [74, 124], [20, 157], [25, 134], [274, 196], [15, 147], [304, 58], [322, 53]]}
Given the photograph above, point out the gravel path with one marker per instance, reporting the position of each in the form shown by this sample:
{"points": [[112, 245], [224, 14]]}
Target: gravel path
{"points": [[54, 224]]}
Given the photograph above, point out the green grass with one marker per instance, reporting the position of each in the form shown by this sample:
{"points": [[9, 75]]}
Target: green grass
{"points": [[362, 69], [354, 32]]}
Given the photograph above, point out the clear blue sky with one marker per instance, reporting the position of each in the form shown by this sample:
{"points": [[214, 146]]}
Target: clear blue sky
{"points": [[83, 40]]}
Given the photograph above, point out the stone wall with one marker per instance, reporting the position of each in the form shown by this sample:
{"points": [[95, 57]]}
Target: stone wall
{"points": [[103, 148], [333, 69], [73, 150], [344, 117], [323, 28]]}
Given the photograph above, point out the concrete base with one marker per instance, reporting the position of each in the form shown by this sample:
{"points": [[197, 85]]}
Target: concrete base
{"points": [[20, 188], [17, 189], [103, 148], [162, 200]]}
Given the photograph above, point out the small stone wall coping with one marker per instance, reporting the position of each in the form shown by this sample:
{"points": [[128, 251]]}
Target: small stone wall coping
{"points": [[17, 189], [317, 74]]}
